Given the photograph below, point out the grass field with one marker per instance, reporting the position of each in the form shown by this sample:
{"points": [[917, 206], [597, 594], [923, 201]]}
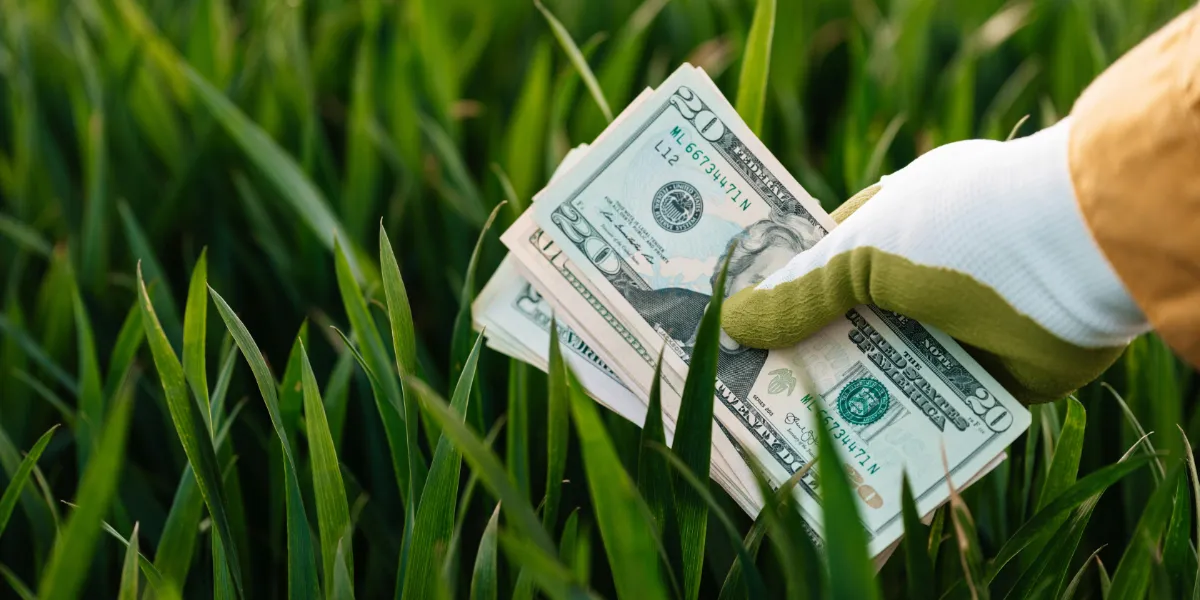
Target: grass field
{"points": [[198, 197]]}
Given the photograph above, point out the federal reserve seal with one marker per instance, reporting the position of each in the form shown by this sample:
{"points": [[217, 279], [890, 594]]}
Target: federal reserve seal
{"points": [[677, 206], [863, 401]]}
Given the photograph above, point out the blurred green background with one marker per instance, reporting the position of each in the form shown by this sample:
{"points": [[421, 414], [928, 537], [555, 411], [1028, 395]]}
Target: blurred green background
{"points": [[261, 130]]}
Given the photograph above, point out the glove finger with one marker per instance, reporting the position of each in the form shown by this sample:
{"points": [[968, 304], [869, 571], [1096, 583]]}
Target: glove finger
{"points": [[855, 202], [808, 293]]}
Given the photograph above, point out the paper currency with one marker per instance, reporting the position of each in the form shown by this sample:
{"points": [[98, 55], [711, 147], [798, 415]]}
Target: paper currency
{"points": [[644, 219], [622, 247]]}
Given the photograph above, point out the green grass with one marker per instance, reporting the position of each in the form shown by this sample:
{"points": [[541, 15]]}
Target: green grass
{"points": [[242, 152]]}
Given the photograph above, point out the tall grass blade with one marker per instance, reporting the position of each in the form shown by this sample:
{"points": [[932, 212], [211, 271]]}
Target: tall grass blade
{"points": [[750, 576], [25, 236], [558, 428], [16, 483], [302, 576], [90, 412], [342, 587], [654, 475], [693, 437], [189, 425], [19, 587], [577, 59], [1094, 483], [129, 569], [435, 514], [852, 574], [1177, 557], [1132, 577], [460, 343], [618, 508], [917, 564], [33, 350], [756, 66], [124, 351], [516, 435], [63, 578], [1072, 588], [1190, 458], [404, 345], [376, 355], [544, 569], [483, 461], [173, 556], [526, 132], [281, 170], [160, 290], [195, 332], [333, 513], [484, 576]]}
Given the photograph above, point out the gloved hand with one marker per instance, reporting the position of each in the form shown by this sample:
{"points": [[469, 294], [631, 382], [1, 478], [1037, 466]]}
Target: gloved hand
{"points": [[981, 239]]}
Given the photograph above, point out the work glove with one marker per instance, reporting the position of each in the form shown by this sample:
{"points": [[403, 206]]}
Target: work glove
{"points": [[981, 239]]}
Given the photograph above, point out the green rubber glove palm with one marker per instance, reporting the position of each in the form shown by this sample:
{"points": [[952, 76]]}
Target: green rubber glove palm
{"points": [[981, 239]]}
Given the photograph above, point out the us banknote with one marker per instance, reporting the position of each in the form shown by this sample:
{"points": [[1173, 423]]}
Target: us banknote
{"points": [[629, 240], [515, 318]]}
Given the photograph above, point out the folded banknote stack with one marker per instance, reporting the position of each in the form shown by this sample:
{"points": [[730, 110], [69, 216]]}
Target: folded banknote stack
{"points": [[622, 247]]}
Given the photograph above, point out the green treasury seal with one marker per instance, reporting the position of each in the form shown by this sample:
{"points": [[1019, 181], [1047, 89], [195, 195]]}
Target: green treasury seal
{"points": [[863, 401]]}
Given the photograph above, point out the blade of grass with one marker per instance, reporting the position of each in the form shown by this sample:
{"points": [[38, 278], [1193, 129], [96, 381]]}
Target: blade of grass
{"points": [[197, 442], [460, 342], [516, 435], [1094, 483], [34, 351], [62, 577], [1190, 458], [19, 587], [555, 579], [917, 563], [343, 577], [558, 429], [333, 513], [387, 409], [1132, 577], [404, 344], [143, 253], [195, 331], [302, 576], [750, 576], [376, 355], [154, 577], [1073, 586], [693, 437], [129, 570], [526, 131], [484, 463], [90, 410], [277, 167], [435, 515], [129, 340], [39, 512], [627, 541], [577, 59], [18, 480], [756, 66], [25, 236], [1177, 556], [845, 539], [291, 388], [465, 198], [654, 476], [484, 576]]}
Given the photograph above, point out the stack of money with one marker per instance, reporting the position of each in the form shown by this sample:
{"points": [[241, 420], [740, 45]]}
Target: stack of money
{"points": [[622, 247]]}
